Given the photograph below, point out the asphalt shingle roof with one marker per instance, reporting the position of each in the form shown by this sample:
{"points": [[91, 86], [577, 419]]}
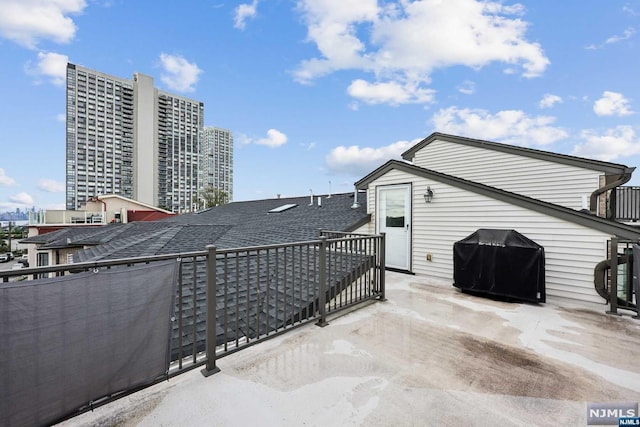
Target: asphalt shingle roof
{"points": [[251, 223], [237, 224], [265, 294], [255, 297]]}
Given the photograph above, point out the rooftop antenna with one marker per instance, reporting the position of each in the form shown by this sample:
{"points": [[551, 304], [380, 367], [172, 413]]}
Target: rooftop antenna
{"points": [[311, 197], [329, 196], [355, 204]]}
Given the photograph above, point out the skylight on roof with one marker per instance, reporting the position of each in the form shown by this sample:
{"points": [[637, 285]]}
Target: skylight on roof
{"points": [[283, 208]]}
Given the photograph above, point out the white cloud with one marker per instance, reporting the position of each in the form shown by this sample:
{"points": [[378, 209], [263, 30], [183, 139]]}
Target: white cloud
{"points": [[178, 73], [51, 186], [61, 117], [630, 11], [6, 180], [392, 93], [242, 139], [467, 87], [26, 22], [620, 141], [358, 161], [403, 42], [549, 100], [627, 34], [274, 138], [331, 25], [612, 104], [243, 12], [22, 199], [509, 126], [52, 66]]}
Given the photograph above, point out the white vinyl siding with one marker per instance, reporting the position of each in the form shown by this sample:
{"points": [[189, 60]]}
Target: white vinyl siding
{"points": [[368, 228], [552, 182], [571, 250]]}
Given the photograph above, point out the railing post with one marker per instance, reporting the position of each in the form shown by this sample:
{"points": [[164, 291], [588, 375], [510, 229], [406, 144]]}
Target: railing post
{"points": [[211, 368], [613, 291], [322, 277], [383, 246], [635, 269]]}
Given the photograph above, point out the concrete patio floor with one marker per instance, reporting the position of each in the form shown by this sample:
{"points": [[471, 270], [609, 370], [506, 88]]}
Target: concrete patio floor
{"points": [[430, 355]]}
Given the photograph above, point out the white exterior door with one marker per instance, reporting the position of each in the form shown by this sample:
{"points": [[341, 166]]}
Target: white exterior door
{"points": [[394, 219]]}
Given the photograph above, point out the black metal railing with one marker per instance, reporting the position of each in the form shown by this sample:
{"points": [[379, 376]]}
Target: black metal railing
{"points": [[614, 278], [627, 203], [264, 291], [230, 299]]}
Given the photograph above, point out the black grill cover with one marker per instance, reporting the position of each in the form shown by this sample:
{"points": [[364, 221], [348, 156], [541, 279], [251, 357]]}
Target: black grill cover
{"points": [[500, 262]]}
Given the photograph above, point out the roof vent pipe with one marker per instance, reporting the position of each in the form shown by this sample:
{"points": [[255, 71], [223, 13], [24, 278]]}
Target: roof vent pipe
{"points": [[329, 196], [319, 201], [355, 204], [310, 197]]}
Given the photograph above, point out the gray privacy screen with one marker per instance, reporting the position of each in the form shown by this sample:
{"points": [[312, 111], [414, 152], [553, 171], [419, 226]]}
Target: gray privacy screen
{"points": [[68, 341]]}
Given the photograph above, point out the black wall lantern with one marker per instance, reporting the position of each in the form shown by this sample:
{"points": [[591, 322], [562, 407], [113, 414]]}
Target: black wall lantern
{"points": [[428, 195]]}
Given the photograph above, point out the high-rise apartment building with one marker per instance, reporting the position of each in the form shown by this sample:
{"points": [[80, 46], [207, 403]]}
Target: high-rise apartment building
{"points": [[129, 138], [218, 159]]}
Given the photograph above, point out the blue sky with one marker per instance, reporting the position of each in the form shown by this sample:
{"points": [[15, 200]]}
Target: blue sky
{"points": [[320, 92]]}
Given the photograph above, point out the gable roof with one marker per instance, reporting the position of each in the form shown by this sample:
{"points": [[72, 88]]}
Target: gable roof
{"points": [[581, 218], [63, 237], [142, 205], [251, 223], [581, 162], [234, 225]]}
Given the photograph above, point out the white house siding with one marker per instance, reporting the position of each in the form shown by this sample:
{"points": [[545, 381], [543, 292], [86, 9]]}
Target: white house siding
{"points": [[571, 250], [368, 228], [552, 182]]}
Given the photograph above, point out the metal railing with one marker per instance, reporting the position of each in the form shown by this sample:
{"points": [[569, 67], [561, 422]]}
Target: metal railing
{"points": [[261, 292], [230, 299], [57, 217], [618, 283], [627, 203]]}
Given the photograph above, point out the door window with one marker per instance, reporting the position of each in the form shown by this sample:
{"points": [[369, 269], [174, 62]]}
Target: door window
{"points": [[395, 208]]}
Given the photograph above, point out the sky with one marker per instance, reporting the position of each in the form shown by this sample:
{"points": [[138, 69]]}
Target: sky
{"points": [[318, 93]]}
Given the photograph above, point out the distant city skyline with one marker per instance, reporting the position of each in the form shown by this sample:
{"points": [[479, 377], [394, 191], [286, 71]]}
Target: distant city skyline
{"points": [[17, 215], [317, 92]]}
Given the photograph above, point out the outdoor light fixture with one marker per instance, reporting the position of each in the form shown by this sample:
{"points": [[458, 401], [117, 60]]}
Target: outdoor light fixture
{"points": [[428, 195]]}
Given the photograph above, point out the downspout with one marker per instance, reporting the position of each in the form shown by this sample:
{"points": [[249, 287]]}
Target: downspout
{"points": [[104, 210], [622, 179]]}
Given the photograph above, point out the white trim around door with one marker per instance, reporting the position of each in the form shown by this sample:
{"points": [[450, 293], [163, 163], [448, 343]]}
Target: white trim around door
{"points": [[393, 217]]}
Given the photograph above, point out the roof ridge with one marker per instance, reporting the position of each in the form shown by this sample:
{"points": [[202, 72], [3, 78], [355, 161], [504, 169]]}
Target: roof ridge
{"points": [[582, 162], [166, 235], [110, 246]]}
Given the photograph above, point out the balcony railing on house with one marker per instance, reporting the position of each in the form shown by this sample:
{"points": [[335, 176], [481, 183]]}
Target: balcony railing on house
{"points": [[627, 204], [229, 299], [66, 217]]}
